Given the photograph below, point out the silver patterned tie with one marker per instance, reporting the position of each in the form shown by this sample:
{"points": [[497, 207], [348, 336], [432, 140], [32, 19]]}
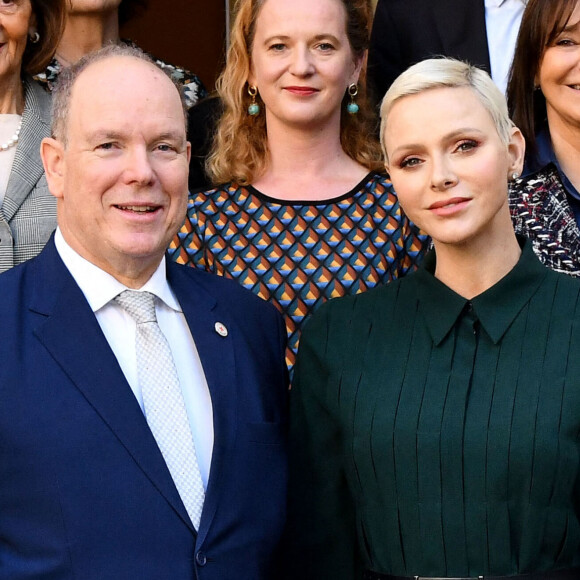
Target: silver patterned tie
{"points": [[164, 407]]}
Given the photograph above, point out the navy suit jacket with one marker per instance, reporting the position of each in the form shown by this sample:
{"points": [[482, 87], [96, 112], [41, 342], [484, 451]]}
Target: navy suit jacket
{"points": [[84, 490], [408, 31]]}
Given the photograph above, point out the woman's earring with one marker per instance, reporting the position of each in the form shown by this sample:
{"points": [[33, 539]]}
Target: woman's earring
{"points": [[515, 175], [34, 37], [352, 107], [254, 108]]}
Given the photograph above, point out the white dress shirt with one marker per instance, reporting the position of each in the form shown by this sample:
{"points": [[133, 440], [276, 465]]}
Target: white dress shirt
{"points": [[502, 23], [119, 329]]}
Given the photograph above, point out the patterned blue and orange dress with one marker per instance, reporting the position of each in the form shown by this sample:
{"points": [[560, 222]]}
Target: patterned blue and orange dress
{"points": [[298, 254]]}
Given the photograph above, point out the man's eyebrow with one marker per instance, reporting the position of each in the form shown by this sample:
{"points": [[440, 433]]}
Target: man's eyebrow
{"points": [[113, 135], [171, 135], [105, 135]]}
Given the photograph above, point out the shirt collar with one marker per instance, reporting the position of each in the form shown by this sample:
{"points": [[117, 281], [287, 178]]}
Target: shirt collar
{"points": [[99, 287], [496, 308]]}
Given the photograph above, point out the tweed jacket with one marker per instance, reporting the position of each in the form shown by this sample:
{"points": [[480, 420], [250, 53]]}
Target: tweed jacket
{"points": [[28, 214], [540, 210]]}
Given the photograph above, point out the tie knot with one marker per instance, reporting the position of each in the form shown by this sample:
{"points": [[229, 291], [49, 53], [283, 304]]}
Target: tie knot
{"points": [[139, 305]]}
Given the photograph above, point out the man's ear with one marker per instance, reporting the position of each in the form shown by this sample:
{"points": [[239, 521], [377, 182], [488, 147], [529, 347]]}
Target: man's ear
{"points": [[52, 154]]}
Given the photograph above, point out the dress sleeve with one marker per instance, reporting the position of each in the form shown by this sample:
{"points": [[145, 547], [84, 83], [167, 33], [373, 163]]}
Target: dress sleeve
{"points": [[321, 530]]}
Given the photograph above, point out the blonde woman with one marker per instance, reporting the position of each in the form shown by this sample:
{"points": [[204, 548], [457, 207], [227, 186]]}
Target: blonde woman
{"points": [[434, 422]]}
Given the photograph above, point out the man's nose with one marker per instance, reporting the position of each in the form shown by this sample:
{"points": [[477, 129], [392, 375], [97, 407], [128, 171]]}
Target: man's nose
{"points": [[138, 167]]}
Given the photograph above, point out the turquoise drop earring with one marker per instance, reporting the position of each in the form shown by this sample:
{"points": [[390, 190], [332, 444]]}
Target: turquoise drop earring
{"points": [[352, 107], [254, 108]]}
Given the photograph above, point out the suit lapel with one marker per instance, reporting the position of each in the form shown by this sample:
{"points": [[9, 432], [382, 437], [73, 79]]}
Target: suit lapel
{"points": [[461, 27], [217, 357], [73, 337], [27, 168]]}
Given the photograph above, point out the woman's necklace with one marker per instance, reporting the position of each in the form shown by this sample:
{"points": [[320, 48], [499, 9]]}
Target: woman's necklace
{"points": [[13, 140]]}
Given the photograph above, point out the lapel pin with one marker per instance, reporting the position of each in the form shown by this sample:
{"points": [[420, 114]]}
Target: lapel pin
{"points": [[221, 329]]}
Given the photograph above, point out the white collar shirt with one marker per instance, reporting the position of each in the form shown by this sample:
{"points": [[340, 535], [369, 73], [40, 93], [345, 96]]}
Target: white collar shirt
{"points": [[502, 23], [100, 288]]}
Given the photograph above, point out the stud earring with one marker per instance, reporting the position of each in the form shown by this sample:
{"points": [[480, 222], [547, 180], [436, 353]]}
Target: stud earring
{"points": [[352, 107], [254, 108], [515, 175], [34, 37]]}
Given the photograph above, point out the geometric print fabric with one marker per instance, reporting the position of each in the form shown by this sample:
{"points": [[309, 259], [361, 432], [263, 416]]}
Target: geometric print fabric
{"points": [[298, 254]]}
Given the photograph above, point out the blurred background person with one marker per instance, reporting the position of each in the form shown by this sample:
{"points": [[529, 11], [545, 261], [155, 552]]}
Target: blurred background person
{"points": [[434, 421], [481, 32], [29, 33], [544, 101], [304, 212], [202, 121], [91, 24]]}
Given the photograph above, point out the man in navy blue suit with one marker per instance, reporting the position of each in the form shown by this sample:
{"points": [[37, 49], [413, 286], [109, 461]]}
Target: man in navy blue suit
{"points": [[87, 486]]}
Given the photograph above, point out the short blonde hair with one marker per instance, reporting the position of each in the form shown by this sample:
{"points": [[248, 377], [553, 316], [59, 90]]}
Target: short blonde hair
{"points": [[240, 148], [436, 73]]}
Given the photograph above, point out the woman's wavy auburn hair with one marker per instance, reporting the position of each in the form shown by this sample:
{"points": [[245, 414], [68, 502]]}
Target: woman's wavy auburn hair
{"points": [[541, 23], [240, 148]]}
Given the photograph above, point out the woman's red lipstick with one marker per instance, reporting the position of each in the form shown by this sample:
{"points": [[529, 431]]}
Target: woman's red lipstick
{"points": [[301, 90]]}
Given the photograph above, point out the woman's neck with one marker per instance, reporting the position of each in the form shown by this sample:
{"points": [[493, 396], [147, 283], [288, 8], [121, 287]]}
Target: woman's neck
{"points": [[307, 164], [11, 95], [85, 33], [475, 266], [566, 144]]}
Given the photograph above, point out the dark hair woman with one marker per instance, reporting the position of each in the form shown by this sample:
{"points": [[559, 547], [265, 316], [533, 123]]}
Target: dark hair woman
{"points": [[544, 101]]}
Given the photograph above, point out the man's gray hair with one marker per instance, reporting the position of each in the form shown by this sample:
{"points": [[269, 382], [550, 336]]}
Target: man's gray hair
{"points": [[447, 72], [61, 94]]}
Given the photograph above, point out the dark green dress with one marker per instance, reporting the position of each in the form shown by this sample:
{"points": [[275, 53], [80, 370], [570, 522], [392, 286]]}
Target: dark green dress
{"points": [[437, 436]]}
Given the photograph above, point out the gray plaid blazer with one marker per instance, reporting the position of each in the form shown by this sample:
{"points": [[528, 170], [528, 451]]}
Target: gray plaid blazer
{"points": [[28, 214]]}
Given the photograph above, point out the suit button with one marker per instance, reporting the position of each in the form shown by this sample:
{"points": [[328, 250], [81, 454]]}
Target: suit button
{"points": [[201, 559]]}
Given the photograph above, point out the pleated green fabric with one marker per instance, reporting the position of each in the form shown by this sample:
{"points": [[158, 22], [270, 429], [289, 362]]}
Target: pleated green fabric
{"points": [[436, 436]]}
